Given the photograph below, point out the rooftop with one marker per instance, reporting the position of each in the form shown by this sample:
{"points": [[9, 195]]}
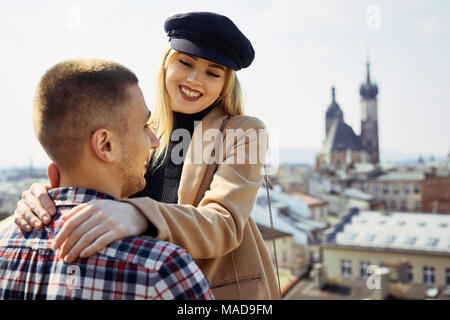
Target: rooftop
{"points": [[397, 231], [268, 234], [308, 199], [402, 176], [290, 215]]}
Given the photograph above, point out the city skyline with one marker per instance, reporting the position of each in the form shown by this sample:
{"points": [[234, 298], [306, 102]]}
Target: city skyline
{"points": [[303, 48]]}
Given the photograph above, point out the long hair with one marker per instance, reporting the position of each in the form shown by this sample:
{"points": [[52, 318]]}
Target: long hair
{"points": [[161, 121]]}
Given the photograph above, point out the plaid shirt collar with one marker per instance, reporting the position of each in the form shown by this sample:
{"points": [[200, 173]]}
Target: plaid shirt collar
{"points": [[71, 196]]}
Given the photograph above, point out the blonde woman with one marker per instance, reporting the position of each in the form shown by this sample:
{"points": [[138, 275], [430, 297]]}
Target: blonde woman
{"points": [[197, 199]]}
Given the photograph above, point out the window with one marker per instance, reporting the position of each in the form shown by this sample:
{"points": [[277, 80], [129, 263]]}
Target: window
{"points": [[363, 271], [447, 277], [386, 188], [346, 268], [428, 276], [432, 241], [416, 188], [403, 206], [406, 188], [389, 239], [350, 236], [376, 188], [410, 273], [393, 204], [418, 206], [411, 240], [395, 188], [369, 238]]}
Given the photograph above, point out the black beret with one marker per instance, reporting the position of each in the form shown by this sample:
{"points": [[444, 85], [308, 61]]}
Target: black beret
{"points": [[210, 36]]}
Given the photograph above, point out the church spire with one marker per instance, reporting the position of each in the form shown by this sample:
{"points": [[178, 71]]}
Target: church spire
{"points": [[368, 74], [334, 111], [368, 90]]}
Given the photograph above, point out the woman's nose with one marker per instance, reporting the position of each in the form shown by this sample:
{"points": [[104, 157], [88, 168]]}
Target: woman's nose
{"points": [[194, 77]]}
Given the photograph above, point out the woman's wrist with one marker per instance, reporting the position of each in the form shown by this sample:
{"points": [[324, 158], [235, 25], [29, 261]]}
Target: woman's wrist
{"points": [[143, 225], [140, 221]]}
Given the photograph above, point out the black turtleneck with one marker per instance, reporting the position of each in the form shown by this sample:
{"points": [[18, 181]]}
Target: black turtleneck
{"points": [[162, 183]]}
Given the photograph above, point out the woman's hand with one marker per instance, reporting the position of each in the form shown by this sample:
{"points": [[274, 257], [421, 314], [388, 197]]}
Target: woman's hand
{"points": [[90, 227], [35, 208]]}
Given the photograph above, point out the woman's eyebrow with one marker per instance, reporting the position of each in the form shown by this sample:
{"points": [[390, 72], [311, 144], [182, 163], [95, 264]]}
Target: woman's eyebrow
{"points": [[212, 65], [218, 66]]}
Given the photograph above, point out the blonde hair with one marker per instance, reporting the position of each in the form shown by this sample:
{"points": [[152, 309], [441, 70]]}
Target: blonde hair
{"points": [[161, 121]]}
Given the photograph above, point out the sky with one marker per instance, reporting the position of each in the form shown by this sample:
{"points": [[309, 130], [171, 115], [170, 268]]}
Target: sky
{"points": [[303, 48]]}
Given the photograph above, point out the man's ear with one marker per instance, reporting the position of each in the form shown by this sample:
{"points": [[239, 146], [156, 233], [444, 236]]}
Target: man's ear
{"points": [[103, 145], [53, 175]]}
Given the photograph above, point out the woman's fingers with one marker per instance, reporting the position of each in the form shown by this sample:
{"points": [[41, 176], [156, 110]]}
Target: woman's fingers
{"points": [[78, 215], [25, 213], [72, 250], [40, 191], [19, 218], [100, 243], [34, 203]]}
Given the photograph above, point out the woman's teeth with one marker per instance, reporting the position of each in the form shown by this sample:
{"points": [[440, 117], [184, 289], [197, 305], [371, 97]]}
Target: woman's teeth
{"points": [[190, 93]]}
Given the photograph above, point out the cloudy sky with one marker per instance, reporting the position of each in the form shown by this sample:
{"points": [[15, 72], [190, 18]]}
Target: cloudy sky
{"points": [[303, 48]]}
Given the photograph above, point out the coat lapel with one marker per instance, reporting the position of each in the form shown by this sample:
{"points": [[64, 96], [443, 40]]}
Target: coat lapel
{"points": [[194, 166]]}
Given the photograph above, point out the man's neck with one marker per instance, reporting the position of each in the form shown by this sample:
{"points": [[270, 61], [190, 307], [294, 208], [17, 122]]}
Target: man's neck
{"points": [[97, 179]]}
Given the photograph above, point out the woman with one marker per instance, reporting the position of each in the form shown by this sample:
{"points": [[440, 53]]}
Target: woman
{"points": [[202, 206]]}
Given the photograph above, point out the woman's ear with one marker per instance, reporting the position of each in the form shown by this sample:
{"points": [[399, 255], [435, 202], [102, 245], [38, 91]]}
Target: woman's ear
{"points": [[103, 145]]}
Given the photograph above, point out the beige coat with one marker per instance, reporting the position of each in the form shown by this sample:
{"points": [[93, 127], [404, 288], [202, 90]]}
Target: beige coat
{"points": [[212, 218]]}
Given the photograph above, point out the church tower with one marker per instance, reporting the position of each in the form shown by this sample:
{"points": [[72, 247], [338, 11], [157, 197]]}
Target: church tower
{"points": [[369, 118], [334, 113]]}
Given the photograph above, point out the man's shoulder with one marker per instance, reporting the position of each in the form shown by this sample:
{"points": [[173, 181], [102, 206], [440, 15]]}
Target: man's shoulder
{"points": [[145, 251]]}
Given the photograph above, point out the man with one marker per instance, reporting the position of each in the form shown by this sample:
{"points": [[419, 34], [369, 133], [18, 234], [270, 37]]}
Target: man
{"points": [[91, 118]]}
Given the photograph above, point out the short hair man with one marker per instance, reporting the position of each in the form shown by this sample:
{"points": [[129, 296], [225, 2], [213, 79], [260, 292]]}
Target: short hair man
{"points": [[91, 118]]}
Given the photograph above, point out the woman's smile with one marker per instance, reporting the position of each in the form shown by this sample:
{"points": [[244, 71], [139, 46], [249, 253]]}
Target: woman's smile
{"points": [[190, 94]]}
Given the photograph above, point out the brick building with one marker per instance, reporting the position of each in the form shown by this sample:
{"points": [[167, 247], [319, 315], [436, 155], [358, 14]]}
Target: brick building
{"points": [[436, 192]]}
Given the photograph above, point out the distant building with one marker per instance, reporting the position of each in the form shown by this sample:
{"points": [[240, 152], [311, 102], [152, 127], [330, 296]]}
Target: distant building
{"points": [[363, 238], [362, 200], [436, 192], [292, 177], [401, 190], [369, 118], [285, 253], [342, 147], [318, 208], [357, 289], [291, 215]]}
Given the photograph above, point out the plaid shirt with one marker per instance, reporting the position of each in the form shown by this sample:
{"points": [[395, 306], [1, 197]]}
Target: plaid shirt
{"points": [[132, 268]]}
